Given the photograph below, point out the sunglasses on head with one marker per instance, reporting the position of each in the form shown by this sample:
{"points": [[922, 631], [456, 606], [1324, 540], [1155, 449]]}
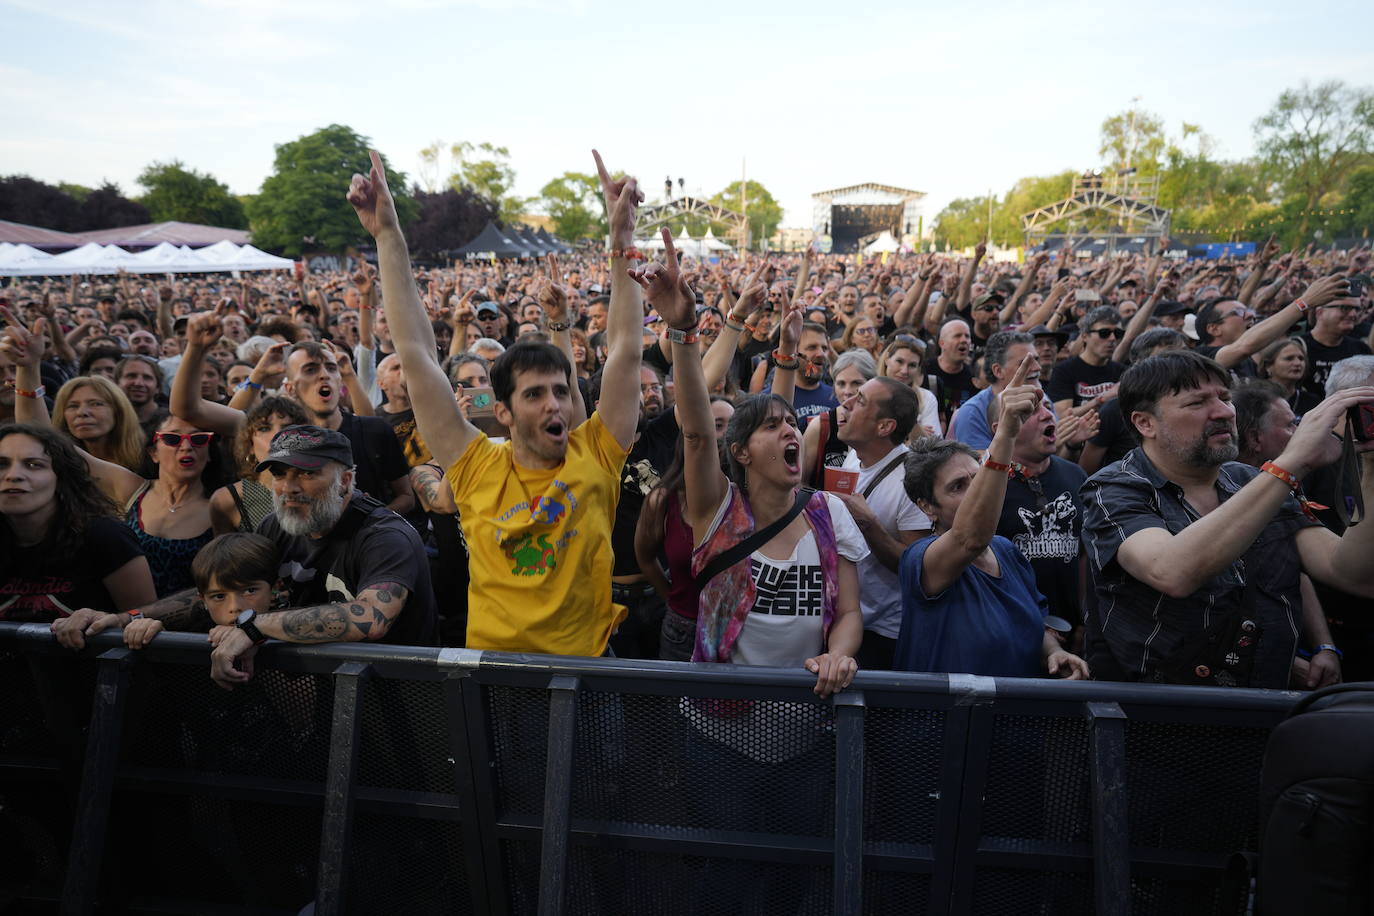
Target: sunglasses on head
{"points": [[1104, 333], [173, 440]]}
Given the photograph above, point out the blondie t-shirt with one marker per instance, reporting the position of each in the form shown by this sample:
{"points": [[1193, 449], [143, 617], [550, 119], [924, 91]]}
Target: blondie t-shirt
{"points": [[539, 544], [38, 587]]}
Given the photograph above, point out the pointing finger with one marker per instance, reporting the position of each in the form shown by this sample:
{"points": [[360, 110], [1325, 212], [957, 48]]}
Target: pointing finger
{"points": [[601, 170], [668, 250], [1019, 377], [378, 173]]}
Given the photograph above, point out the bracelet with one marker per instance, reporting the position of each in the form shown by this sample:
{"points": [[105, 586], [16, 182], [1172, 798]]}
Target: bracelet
{"points": [[630, 254], [681, 335], [734, 327], [248, 383], [559, 325], [1301, 304], [1287, 477], [35, 393], [364, 308], [1327, 647], [134, 614], [783, 361], [996, 465]]}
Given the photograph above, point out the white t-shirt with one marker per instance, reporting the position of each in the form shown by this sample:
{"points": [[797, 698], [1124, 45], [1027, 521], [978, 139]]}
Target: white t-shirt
{"points": [[783, 629], [930, 413], [880, 591]]}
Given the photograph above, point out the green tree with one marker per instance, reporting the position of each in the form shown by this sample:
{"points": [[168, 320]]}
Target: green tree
{"points": [[482, 167], [1314, 137], [302, 203], [963, 222], [764, 214], [1132, 139], [178, 193], [573, 202]]}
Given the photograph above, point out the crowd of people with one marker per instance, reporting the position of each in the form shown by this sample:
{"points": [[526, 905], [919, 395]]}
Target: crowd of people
{"points": [[1120, 468]]}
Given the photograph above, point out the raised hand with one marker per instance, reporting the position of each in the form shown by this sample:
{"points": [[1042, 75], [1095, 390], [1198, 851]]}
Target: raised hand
{"points": [[1019, 400], [371, 199], [1325, 290], [789, 335], [364, 277], [340, 356], [751, 294], [552, 296], [203, 329], [1312, 445], [23, 346], [623, 198], [666, 288]]}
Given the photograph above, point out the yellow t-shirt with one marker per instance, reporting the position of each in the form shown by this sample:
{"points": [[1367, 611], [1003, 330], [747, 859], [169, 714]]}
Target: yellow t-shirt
{"points": [[539, 544]]}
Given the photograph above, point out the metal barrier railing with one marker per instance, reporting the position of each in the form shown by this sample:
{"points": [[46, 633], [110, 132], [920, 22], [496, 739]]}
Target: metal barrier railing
{"points": [[373, 779]]}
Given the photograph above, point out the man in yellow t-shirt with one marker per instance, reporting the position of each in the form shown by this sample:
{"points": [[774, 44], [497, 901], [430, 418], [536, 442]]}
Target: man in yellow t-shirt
{"points": [[537, 510]]}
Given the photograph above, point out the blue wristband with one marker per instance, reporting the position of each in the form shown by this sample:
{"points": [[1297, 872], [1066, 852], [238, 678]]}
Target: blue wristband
{"points": [[1326, 646], [248, 383]]}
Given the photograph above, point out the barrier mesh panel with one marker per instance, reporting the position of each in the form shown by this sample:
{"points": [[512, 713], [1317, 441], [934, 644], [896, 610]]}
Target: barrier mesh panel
{"points": [[406, 865], [199, 850], [1037, 783], [517, 726], [998, 891], [276, 725], [903, 751], [1193, 787], [892, 893], [1176, 897], [405, 741]]}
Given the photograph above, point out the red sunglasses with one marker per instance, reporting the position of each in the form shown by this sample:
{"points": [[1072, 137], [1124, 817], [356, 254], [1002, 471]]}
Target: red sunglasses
{"points": [[173, 440]]}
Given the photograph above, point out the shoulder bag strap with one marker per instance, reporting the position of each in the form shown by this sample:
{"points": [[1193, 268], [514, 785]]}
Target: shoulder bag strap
{"points": [[873, 484], [726, 559]]}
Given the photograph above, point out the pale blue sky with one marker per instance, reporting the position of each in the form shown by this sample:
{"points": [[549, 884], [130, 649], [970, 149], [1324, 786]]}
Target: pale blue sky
{"points": [[951, 99]]}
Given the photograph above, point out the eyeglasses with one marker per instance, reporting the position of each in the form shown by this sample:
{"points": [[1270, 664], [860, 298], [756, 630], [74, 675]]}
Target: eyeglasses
{"points": [[865, 332], [986, 308], [1342, 308], [645, 389], [1104, 333], [174, 440]]}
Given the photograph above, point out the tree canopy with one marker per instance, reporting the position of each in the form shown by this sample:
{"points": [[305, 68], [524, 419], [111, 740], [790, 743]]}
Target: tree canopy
{"points": [[302, 204], [573, 202], [448, 219], [763, 212], [67, 208], [175, 192]]}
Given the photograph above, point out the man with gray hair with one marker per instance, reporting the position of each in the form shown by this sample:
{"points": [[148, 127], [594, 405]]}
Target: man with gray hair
{"points": [[1005, 351]]}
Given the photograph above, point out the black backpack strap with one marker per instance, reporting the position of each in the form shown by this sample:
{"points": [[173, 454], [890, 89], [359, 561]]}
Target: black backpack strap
{"points": [[873, 484], [724, 560]]}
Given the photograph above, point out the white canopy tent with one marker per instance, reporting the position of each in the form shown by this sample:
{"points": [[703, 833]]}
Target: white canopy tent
{"points": [[884, 242], [711, 243], [94, 258]]}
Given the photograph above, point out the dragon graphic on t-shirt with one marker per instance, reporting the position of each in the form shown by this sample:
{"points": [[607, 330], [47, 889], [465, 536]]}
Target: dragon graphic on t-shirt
{"points": [[530, 555]]}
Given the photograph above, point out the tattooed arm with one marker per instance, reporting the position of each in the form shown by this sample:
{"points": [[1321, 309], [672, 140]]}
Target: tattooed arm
{"points": [[369, 616], [180, 611], [432, 490]]}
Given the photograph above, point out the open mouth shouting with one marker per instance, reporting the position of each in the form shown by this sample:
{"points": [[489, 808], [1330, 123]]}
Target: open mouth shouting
{"points": [[325, 393], [556, 430], [791, 458], [1049, 435]]}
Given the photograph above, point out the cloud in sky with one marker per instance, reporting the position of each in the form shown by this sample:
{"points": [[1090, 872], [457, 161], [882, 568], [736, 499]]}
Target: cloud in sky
{"points": [[950, 99]]}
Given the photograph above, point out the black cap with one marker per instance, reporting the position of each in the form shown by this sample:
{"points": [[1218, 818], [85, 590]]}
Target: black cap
{"points": [[1044, 330], [1170, 307], [308, 448]]}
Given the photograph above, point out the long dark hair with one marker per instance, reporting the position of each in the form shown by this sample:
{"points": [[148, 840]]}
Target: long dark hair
{"points": [[750, 413], [79, 498]]}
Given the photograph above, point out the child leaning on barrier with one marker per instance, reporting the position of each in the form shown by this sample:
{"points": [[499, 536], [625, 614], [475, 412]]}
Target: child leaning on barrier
{"points": [[233, 574]]}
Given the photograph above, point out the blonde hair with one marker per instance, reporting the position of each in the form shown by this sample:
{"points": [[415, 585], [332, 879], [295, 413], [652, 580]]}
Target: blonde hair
{"points": [[125, 438], [846, 342]]}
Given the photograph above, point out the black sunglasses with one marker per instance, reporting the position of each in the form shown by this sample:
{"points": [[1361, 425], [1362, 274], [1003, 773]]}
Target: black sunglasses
{"points": [[173, 440], [1104, 333]]}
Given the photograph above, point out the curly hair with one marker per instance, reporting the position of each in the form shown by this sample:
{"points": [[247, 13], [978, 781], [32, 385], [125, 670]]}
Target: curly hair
{"points": [[79, 499], [126, 437], [245, 462]]}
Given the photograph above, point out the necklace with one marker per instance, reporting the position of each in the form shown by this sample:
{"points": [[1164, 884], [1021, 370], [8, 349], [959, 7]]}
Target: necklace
{"points": [[181, 502]]}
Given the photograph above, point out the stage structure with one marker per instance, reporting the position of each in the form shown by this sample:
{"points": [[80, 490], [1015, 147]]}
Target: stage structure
{"points": [[852, 217], [1103, 214], [679, 209]]}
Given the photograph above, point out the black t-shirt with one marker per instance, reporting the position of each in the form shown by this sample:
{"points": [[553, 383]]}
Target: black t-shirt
{"points": [[408, 435], [1320, 359], [369, 546], [650, 457], [1242, 370], [36, 586], [1048, 535], [377, 454], [1114, 434], [1078, 381], [952, 389]]}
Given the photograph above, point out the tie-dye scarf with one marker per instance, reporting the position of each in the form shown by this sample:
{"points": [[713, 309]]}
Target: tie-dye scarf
{"points": [[726, 600]]}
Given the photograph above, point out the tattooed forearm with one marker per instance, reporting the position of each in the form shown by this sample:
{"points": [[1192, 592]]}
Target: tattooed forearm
{"points": [[368, 617], [322, 623], [181, 611]]}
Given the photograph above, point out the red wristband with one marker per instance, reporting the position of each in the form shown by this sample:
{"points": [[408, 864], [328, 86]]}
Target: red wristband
{"points": [[1270, 467], [996, 465], [630, 254], [1301, 304]]}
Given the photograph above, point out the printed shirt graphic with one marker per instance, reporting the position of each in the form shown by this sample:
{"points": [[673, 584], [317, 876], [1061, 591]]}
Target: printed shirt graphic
{"points": [[1048, 535], [539, 544]]}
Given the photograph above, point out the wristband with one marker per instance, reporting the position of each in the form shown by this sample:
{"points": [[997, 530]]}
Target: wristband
{"points": [[559, 325], [134, 614], [734, 327], [248, 383], [781, 360], [1327, 647], [629, 254], [996, 465], [1301, 304], [681, 335], [35, 393], [1270, 467]]}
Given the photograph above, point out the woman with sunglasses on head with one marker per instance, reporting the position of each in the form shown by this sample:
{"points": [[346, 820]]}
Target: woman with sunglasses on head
{"points": [[170, 515]]}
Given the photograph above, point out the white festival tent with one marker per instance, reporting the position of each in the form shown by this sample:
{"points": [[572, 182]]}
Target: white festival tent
{"points": [[884, 242], [711, 243], [94, 258]]}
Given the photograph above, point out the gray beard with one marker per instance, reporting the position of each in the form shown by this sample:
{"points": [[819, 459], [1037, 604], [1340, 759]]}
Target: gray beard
{"points": [[324, 514]]}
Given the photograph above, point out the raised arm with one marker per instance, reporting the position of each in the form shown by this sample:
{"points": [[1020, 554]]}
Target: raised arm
{"points": [[966, 281], [1032, 270], [1139, 321], [1256, 277], [976, 521], [444, 428], [721, 354], [202, 331], [1323, 291], [619, 406], [789, 337], [553, 299]]}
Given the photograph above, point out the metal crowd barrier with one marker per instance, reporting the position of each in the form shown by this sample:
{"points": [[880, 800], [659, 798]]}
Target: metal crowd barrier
{"points": [[377, 779]]}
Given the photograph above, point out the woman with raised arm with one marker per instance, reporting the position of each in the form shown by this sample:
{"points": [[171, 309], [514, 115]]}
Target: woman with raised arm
{"points": [[969, 599], [793, 599], [170, 515]]}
